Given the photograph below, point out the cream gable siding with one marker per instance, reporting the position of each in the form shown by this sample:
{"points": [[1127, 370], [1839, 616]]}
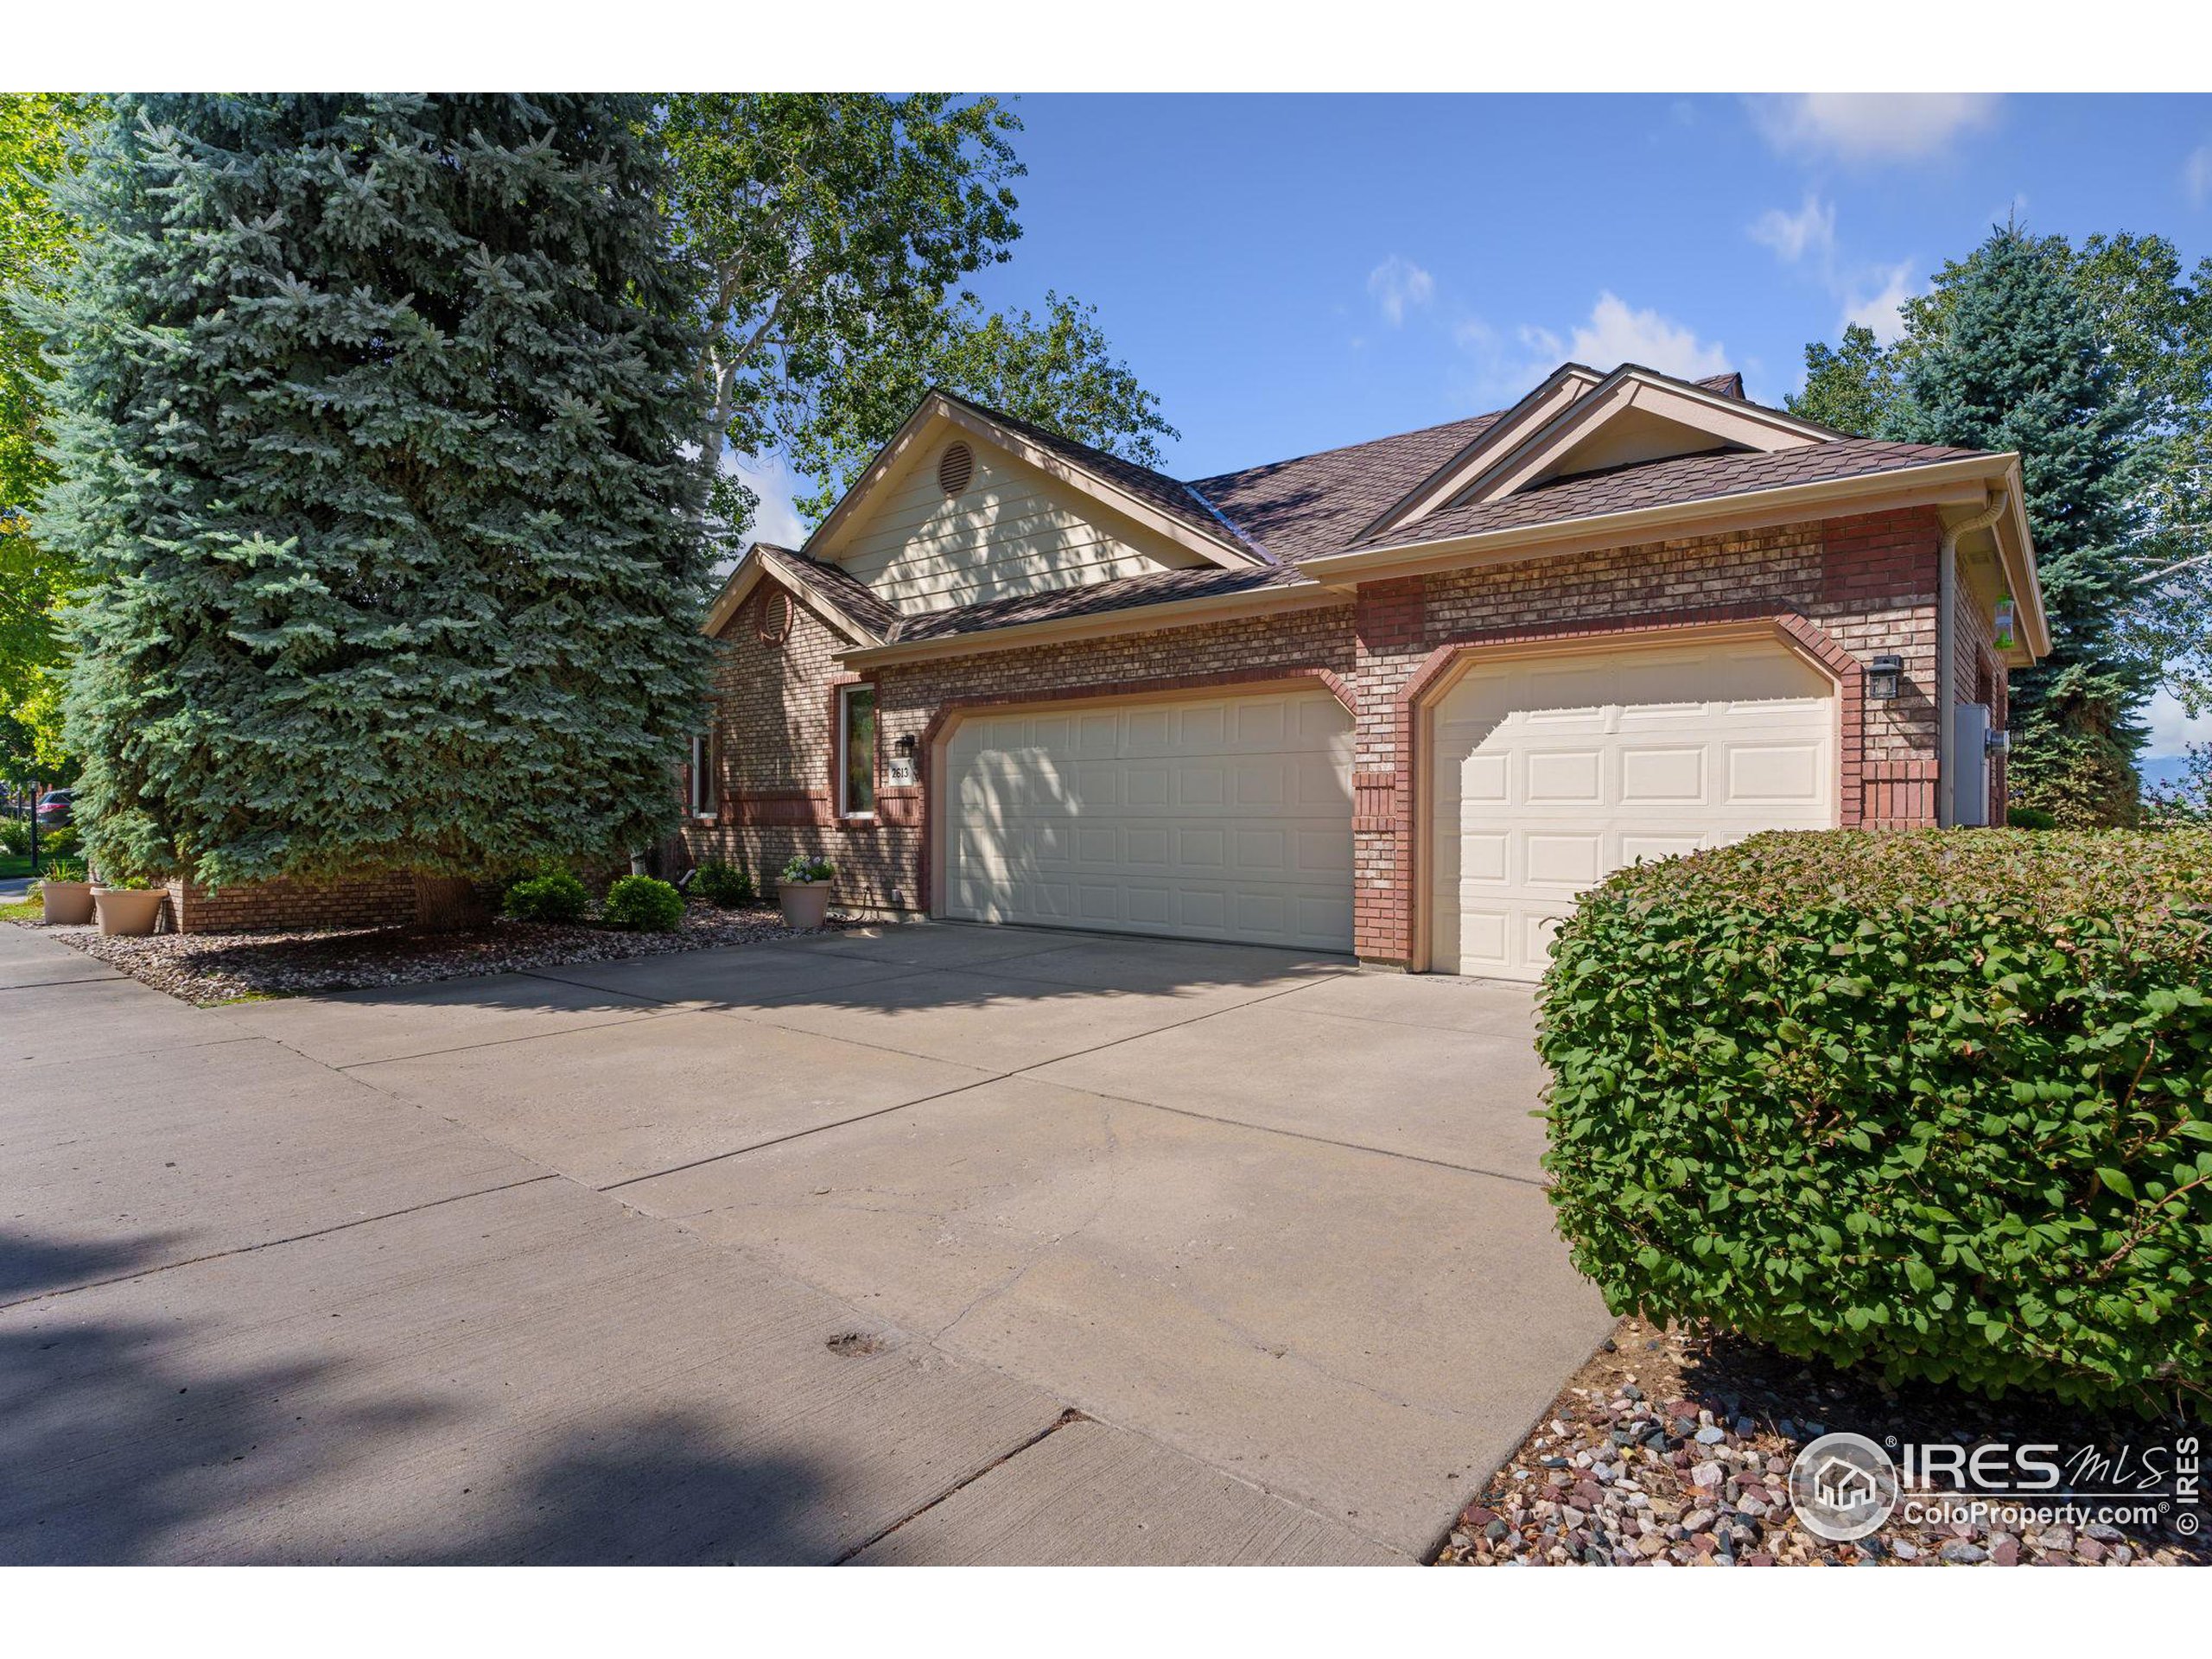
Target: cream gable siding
{"points": [[1012, 531]]}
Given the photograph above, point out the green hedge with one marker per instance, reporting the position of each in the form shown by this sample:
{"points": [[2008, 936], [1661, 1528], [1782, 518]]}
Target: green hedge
{"points": [[553, 896], [725, 885], [644, 903], [1941, 1102]]}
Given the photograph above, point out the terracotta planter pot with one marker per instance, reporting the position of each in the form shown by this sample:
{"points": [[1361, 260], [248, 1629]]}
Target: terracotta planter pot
{"points": [[806, 904], [68, 903], [128, 909]]}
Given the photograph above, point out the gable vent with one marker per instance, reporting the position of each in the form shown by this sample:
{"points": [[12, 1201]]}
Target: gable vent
{"points": [[955, 467]]}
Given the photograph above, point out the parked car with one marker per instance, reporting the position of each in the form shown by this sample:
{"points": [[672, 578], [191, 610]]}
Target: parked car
{"points": [[56, 809]]}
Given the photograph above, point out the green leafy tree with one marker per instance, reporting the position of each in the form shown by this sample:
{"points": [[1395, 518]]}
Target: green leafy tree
{"points": [[372, 414], [2019, 366], [1850, 386], [832, 232], [2156, 321], [35, 133], [1059, 373]]}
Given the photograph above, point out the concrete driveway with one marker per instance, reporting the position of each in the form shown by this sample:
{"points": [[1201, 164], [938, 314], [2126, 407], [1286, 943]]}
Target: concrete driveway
{"points": [[936, 1244]]}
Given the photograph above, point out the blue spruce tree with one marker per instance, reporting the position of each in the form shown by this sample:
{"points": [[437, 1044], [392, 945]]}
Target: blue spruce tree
{"points": [[2018, 367], [371, 417]]}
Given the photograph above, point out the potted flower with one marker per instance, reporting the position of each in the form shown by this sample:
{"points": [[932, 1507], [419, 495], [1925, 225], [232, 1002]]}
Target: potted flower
{"points": [[65, 895], [128, 905], [804, 891]]}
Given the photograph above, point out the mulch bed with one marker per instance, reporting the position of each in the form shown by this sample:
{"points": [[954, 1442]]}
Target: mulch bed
{"points": [[205, 968], [1674, 1447]]}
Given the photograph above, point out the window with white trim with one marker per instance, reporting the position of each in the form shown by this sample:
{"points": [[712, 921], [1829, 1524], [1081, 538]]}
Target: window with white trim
{"points": [[856, 752]]}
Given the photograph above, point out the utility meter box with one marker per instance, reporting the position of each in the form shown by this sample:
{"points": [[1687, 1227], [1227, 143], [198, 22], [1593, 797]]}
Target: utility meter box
{"points": [[1970, 748]]}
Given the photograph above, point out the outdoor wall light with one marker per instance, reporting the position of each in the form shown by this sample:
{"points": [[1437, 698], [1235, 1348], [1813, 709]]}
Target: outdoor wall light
{"points": [[905, 745], [1885, 675]]}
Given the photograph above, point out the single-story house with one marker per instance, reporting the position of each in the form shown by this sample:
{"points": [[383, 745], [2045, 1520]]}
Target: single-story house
{"points": [[1403, 699]]}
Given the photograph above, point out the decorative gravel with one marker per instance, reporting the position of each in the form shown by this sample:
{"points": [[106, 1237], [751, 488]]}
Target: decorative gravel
{"points": [[1674, 1448], [203, 968]]}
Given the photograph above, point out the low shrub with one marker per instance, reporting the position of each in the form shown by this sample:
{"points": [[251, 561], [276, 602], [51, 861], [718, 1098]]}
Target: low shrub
{"points": [[2030, 817], [16, 836], [61, 841], [801, 868], [720, 882], [642, 903], [553, 896], [1938, 1102]]}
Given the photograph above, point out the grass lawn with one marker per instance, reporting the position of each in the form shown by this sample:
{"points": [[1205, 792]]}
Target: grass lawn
{"points": [[14, 864]]}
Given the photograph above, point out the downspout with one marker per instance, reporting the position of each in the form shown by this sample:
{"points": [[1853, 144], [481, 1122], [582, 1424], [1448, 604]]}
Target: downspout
{"points": [[1947, 668]]}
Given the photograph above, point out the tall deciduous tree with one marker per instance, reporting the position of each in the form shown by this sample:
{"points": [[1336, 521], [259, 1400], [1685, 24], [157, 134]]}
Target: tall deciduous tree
{"points": [[35, 131], [372, 414], [2019, 365], [1849, 387], [1058, 374], [832, 233]]}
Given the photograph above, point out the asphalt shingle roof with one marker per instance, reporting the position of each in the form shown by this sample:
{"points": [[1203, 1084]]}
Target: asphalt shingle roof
{"points": [[1311, 506], [1663, 483], [1123, 593], [840, 587]]}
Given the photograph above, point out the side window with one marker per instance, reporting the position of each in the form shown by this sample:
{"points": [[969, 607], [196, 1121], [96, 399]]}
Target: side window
{"points": [[856, 752], [702, 778]]}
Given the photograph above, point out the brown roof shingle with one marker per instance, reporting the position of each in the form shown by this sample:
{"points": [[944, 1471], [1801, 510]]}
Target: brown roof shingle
{"points": [[1665, 483], [839, 587], [1123, 593], [1313, 504]]}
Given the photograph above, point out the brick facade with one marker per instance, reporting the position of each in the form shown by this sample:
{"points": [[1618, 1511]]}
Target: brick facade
{"points": [[1841, 590]]}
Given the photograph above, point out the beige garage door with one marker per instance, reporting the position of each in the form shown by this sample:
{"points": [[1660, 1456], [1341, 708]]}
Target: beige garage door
{"points": [[1218, 818], [1550, 772]]}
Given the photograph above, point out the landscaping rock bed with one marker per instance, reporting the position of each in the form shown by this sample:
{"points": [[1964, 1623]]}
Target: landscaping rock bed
{"points": [[205, 968], [1673, 1449]]}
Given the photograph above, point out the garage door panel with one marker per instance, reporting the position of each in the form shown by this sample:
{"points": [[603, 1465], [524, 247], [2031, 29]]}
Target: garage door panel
{"points": [[1662, 776], [1547, 777], [1782, 772], [1563, 777], [1222, 817]]}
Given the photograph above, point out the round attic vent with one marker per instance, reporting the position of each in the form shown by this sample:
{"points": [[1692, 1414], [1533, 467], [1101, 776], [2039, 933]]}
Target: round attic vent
{"points": [[955, 467]]}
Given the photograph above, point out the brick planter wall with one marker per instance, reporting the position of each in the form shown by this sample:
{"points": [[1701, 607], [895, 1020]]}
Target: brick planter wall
{"points": [[283, 906]]}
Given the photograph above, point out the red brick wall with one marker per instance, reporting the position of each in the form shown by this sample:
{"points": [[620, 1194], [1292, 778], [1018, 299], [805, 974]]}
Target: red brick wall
{"points": [[1862, 585], [285, 907]]}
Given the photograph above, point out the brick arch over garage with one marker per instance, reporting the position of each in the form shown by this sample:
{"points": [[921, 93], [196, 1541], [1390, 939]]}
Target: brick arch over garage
{"points": [[949, 713], [1403, 941]]}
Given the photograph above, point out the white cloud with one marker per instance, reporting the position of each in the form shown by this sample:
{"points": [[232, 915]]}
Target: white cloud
{"points": [[1499, 370], [2172, 729], [1872, 126], [775, 519], [1882, 310], [1615, 334], [1811, 229], [2196, 175], [1398, 286]]}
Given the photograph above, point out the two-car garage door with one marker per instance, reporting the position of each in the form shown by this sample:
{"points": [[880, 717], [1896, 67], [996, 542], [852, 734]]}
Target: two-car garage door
{"points": [[1215, 816]]}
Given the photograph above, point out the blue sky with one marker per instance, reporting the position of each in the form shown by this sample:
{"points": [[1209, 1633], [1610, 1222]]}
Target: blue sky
{"points": [[1293, 273]]}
